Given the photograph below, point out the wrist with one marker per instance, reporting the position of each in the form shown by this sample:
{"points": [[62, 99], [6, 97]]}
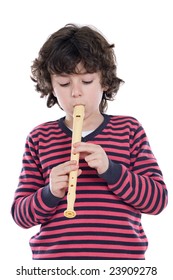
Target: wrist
{"points": [[113, 173], [48, 198]]}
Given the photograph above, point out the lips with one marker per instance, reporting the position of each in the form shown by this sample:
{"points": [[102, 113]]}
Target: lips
{"points": [[80, 103]]}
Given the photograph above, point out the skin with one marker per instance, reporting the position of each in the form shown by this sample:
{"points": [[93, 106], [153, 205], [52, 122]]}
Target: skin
{"points": [[70, 90]]}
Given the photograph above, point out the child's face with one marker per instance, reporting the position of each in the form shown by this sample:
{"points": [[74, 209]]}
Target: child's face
{"points": [[74, 89]]}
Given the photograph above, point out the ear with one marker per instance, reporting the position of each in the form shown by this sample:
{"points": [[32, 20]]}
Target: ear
{"points": [[54, 94], [105, 88]]}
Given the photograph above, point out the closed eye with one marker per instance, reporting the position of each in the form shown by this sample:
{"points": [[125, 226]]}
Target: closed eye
{"points": [[67, 84], [64, 85], [87, 82]]}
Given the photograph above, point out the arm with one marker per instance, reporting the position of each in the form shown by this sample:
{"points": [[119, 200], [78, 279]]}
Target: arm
{"points": [[33, 202], [142, 185]]}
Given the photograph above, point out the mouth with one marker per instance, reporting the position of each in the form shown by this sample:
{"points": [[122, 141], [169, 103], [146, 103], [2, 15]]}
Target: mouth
{"points": [[78, 104]]}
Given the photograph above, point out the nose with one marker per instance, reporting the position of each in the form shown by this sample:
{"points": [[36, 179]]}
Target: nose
{"points": [[76, 91]]}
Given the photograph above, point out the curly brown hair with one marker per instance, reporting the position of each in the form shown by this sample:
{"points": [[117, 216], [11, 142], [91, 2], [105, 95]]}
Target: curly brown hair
{"points": [[64, 49]]}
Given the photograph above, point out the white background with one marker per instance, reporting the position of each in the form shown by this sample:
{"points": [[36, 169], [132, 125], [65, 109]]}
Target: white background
{"points": [[142, 33]]}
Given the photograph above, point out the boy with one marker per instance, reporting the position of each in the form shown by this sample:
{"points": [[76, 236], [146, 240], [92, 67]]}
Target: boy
{"points": [[118, 175]]}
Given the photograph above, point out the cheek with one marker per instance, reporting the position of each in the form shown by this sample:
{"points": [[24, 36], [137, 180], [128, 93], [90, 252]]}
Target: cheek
{"points": [[62, 99], [97, 95], [60, 94], [94, 99]]}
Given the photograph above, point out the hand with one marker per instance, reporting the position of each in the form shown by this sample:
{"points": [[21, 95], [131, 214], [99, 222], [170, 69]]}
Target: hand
{"points": [[93, 154], [58, 178]]}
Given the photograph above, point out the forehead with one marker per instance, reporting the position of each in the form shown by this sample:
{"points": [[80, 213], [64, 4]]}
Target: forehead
{"points": [[80, 69]]}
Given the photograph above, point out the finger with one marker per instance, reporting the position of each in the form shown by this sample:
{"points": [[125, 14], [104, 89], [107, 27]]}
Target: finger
{"points": [[67, 163], [91, 157], [59, 179], [69, 168], [93, 163], [77, 144], [64, 168], [85, 147], [79, 172], [62, 185]]}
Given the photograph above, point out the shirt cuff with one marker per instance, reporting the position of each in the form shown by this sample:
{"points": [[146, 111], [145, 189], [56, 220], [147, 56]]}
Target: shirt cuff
{"points": [[48, 198], [112, 174]]}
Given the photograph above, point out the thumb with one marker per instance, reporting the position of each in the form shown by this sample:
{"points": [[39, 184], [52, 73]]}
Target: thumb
{"points": [[79, 172]]}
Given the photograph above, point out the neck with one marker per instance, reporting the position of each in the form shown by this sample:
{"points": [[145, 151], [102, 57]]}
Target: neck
{"points": [[91, 122]]}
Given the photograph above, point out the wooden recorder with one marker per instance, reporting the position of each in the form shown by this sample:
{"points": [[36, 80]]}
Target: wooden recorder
{"points": [[78, 116]]}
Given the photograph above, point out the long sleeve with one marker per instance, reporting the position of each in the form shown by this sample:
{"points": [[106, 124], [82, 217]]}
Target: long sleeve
{"points": [[33, 203], [142, 185]]}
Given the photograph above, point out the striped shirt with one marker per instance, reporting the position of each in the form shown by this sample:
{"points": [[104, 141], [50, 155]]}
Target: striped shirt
{"points": [[108, 206]]}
